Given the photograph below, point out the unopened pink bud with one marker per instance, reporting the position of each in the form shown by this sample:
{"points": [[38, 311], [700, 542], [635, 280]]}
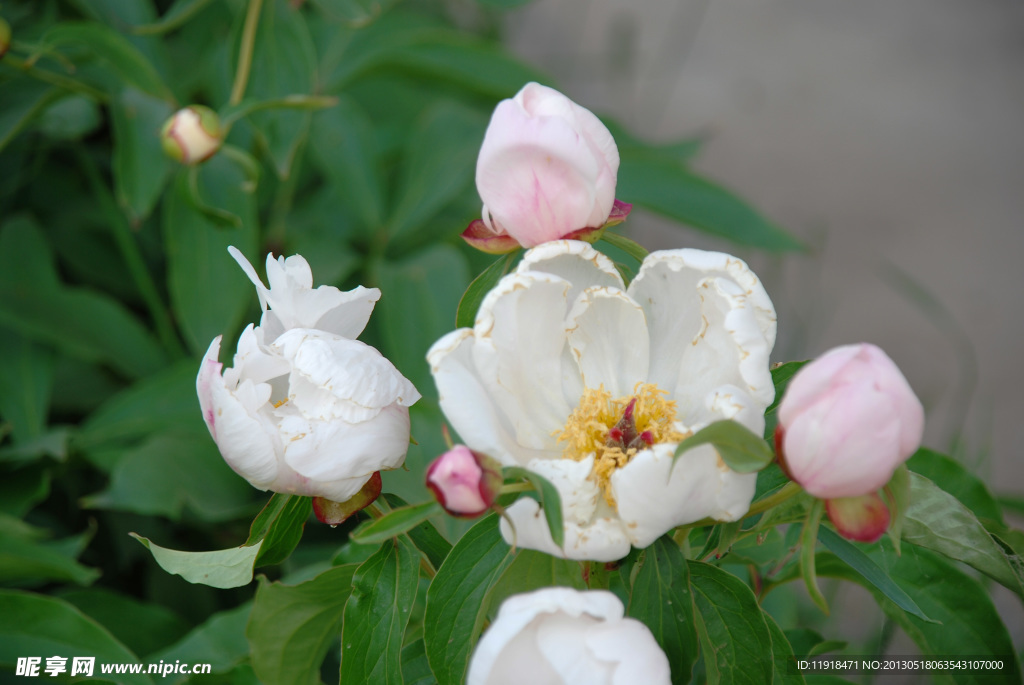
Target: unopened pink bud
{"points": [[847, 421], [465, 482]]}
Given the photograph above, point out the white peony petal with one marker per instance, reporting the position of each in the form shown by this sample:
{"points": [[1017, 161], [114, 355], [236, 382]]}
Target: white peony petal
{"points": [[579, 494], [253, 362], [603, 540], [630, 646], [608, 335], [651, 502], [520, 338], [562, 640], [728, 402], [575, 261], [332, 450], [466, 403]]}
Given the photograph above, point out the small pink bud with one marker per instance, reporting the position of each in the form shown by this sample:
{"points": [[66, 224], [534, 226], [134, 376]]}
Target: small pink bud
{"points": [[847, 421], [864, 518], [333, 513], [465, 482], [192, 134]]}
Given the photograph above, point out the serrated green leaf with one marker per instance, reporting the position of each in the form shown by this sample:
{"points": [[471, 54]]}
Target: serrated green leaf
{"points": [[470, 301], [456, 606], [872, 573], [45, 626], [140, 167], [662, 600], [292, 626], [741, 450], [199, 265], [383, 592], [225, 568], [550, 500], [393, 523], [938, 521], [670, 189], [731, 626]]}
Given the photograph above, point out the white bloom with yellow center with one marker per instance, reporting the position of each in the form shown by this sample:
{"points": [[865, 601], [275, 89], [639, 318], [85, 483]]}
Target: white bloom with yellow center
{"points": [[592, 385]]}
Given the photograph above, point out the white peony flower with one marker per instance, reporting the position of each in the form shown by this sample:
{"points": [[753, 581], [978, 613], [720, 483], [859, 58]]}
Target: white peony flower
{"points": [[592, 385], [306, 409], [560, 636]]}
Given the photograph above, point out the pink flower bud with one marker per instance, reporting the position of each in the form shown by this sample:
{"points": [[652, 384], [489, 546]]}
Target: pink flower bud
{"points": [[848, 419], [192, 135], [547, 168], [464, 482]]}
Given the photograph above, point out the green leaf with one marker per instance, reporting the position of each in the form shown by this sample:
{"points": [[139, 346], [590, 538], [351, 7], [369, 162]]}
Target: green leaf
{"points": [[808, 542], [346, 153], [550, 501], [951, 476], [872, 572], [127, 62], [70, 118], [28, 562], [438, 165], [469, 304], [661, 599], [531, 570], [170, 472], [45, 626], [630, 247], [141, 168], [26, 384], [425, 536], [283, 64], [284, 532], [733, 634], [897, 496], [782, 374], [938, 521], [782, 653], [383, 592], [456, 606], [179, 13], [225, 568], [209, 293], [741, 450], [220, 642], [81, 323], [415, 667], [292, 626], [143, 627], [668, 188], [418, 306], [22, 488], [393, 523], [22, 101]]}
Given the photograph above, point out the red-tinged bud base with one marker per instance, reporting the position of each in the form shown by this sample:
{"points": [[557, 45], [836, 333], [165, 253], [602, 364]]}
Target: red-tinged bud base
{"points": [[780, 455], [334, 513], [484, 239], [864, 518]]}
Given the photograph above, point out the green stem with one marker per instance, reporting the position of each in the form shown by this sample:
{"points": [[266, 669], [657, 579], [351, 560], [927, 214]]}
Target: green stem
{"points": [[283, 199], [55, 79], [516, 487], [252, 20], [129, 250], [784, 493]]}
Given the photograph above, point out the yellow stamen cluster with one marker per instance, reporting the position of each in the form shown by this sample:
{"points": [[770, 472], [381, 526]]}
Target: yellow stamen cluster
{"points": [[586, 429]]}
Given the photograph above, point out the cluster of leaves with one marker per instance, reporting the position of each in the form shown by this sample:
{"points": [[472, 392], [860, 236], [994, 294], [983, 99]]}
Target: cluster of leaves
{"points": [[354, 145]]}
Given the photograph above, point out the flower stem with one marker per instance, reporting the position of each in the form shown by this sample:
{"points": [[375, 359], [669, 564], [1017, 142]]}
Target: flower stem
{"points": [[784, 493], [129, 250], [252, 20], [516, 487], [53, 79]]}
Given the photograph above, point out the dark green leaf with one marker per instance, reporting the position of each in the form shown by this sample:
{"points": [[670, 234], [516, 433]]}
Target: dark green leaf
{"points": [[733, 634], [292, 626], [741, 450], [26, 382], [783, 655], [897, 496], [951, 476], [220, 642], [143, 627], [70, 118], [225, 568], [140, 166], [209, 293], [865, 566], [22, 488], [81, 323], [531, 570], [456, 606], [550, 500], [782, 374], [938, 521], [285, 531], [123, 57], [21, 103], [425, 536], [478, 289], [394, 523], [415, 667], [661, 598], [270, 512], [45, 626], [28, 562], [669, 189], [630, 247], [383, 592], [179, 13]]}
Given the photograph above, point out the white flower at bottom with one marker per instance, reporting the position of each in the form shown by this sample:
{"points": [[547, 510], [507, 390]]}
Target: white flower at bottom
{"points": [[570, 374], [560, 636], [305, 409]]}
